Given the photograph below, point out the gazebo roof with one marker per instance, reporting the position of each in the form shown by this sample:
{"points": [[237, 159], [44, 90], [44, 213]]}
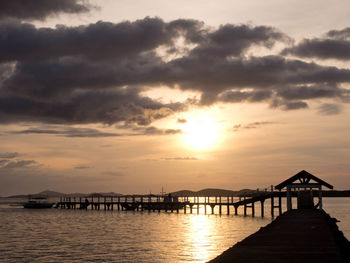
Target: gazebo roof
{"points": [[304, 178]]}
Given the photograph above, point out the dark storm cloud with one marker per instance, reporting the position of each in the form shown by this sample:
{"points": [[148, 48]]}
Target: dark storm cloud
{"points": [[336, 45], [105, 40], [40, 9], [102, 40], [269, 73], [88, 107], [233, 40], [97, 73]]}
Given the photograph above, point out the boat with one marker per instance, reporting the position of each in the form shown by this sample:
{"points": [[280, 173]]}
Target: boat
{"points": [[37, 202]]}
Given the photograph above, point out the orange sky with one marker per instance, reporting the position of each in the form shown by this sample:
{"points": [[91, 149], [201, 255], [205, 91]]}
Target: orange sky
{"points": [[231, 96]]}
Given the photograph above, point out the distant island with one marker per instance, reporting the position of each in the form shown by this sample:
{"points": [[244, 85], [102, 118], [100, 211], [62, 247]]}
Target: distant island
{"points": [[203, 192]]}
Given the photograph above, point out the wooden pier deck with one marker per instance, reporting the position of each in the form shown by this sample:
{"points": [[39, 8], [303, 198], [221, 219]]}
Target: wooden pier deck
{"points": [[304, 235], [188, 204]]}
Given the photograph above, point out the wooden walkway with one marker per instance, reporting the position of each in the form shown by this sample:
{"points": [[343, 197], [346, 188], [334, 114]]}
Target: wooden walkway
{"points": [[175, 204], [304, 235]]}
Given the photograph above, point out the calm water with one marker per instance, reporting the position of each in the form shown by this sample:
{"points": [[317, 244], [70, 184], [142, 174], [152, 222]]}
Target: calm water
{"points": [[54, 235]]}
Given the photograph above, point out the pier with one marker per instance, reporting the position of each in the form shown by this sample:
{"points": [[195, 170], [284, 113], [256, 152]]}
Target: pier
{"points": [[299, 235], [302, 185], [187, 204]]}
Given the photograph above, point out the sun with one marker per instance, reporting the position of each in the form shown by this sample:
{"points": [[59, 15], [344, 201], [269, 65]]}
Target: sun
{"points": [[201, 132]]}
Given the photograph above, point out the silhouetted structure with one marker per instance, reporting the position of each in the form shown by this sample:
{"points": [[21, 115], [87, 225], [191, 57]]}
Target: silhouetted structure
{"points": [[302, 235], [172, 203], [304, 183]]}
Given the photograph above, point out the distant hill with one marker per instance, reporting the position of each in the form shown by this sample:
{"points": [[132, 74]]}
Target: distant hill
{"points": [[249, 192], [184, 193], [203, 192], [213, 192], [104, 194], [51, 194]]}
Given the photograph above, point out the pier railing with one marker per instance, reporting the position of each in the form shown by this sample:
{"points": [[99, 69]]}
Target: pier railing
{"points": [[189, 204]]}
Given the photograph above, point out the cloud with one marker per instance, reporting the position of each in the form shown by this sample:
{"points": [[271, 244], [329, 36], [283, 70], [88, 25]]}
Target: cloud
{"points": [[97, 73], [336, 45], [82, 167], [3, 162], [180, 159], [88, 107], [310, 92], [330, 109], [20, 164], [113, 174], [288, 105], [9, 155], [339, 34], [180, 120], [231, 96], [151, 130], [234, 40], [72, 132], [40, 9], [252, 125], [68, 132], [101, 41]]}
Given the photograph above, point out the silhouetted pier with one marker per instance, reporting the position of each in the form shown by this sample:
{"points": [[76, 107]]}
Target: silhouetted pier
{"points": [[306, 234], [300, 185], [188, 204], [299, 235]]}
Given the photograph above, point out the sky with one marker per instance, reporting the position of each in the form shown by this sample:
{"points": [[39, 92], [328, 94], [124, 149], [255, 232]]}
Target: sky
{"points": [[136, 96]]}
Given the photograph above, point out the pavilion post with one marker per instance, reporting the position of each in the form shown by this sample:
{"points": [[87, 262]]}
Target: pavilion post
{"points": [[289, 200], [320, 197]]}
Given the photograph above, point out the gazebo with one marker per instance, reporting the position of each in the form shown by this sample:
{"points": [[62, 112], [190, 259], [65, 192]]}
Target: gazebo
{"points": [[304, 183]]}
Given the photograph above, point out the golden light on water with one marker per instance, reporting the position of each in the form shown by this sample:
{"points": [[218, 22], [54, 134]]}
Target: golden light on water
{"points": [[201, 132], [200, 231]]}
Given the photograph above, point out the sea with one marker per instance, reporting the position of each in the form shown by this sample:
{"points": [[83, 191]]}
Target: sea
{"points": [[62, 235]]}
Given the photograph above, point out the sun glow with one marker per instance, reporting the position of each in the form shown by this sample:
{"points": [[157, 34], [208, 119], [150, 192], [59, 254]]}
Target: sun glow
{"points": [[201, 132]]}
